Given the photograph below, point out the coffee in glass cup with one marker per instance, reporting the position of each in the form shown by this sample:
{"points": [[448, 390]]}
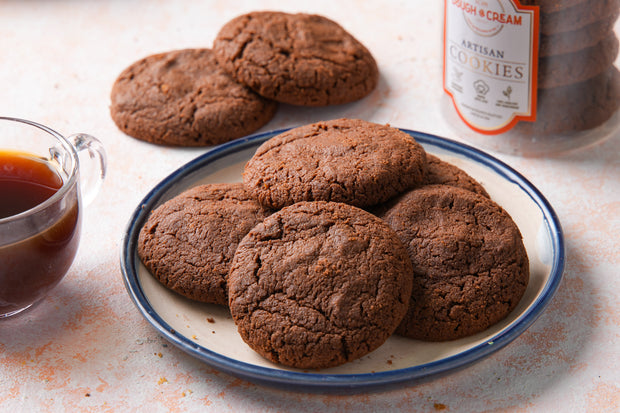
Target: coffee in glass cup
{"points": [[40, 207]]}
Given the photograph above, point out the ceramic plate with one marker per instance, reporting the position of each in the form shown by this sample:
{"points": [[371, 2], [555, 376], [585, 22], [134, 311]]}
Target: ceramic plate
{"points": [[208, 333]]}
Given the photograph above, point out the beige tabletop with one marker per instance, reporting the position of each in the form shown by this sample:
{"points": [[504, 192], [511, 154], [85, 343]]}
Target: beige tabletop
{"points": [[86, 347]]}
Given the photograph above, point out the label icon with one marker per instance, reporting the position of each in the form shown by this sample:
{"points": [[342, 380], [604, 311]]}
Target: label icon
{"points": [[491, 62]]}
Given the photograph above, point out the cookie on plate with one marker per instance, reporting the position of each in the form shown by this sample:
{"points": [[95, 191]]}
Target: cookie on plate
{"points": [[470, 267], [318, 284], [440, 172], [188, 242], [299, 59], [343, 160], [183, 98]]}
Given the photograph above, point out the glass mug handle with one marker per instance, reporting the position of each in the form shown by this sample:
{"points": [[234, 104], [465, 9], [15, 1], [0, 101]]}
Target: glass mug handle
{"points": [[93, 163]]}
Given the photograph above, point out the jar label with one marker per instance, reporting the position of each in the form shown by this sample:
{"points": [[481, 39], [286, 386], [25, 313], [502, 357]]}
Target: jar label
{"points": [[491, 62]]}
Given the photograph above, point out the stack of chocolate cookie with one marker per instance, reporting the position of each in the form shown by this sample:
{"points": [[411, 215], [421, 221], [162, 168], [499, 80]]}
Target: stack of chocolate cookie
{"points": [[198, 97], [578, 85], [312, 278]]}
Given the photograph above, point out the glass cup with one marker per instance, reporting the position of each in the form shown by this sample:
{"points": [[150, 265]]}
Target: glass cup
{"points": [[38, 244]]}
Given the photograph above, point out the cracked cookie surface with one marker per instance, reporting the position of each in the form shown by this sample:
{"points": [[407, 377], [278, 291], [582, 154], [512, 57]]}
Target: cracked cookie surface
{"points": [[299, 59], [188, 242], [318, 284], [551, 6], [470, 267], [343, 160], [439, 172], [183, 98]]}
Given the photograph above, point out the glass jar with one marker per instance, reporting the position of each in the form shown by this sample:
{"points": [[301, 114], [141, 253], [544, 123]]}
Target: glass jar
{"points": [[531, 77]]}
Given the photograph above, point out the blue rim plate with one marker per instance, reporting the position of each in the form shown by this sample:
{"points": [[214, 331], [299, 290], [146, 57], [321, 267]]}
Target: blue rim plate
{"points": [[207, 332]]}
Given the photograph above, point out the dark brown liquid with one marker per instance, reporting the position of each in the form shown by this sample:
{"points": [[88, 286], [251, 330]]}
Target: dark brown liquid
{"points": [[25, 182], [33, 266]]}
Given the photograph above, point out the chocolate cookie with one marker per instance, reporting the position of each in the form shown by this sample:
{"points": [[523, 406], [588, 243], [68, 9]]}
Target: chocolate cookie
{"points": [[577, 16], [470, 267], [577, 107], [184, 98], [439, 172], [189, 241], [318, 284], [565, 69], [343, 160], [300, 59], [573, 41]]}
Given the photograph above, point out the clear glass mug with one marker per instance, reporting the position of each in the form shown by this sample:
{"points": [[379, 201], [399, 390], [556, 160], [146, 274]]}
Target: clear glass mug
{"points": [[38, 244]]}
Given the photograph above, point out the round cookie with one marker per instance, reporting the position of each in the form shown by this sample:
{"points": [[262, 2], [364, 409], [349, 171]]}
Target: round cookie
{"points": [[470, 267], [188, 242], [299, 59], [343, 160], [439, 172], [573, 41], [576, 107], [318, 284], [183, 98], [565, 69]]}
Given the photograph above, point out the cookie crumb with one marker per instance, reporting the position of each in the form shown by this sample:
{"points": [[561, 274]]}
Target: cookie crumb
{"points": [[440, 406], [210, 320], [87, 395]]}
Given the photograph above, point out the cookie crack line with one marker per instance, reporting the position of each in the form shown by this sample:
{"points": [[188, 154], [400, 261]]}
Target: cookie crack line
{"points": [[333, 63]]}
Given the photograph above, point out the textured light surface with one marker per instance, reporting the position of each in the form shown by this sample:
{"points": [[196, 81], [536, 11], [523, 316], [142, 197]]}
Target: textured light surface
{"points": [[87, 348]]}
